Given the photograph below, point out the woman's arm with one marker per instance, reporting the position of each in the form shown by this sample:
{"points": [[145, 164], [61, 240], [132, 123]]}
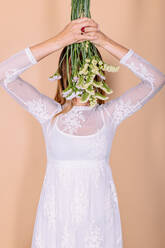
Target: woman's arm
{"points": [[24, 93], [69, 35], [152, 80], [39, 105]]}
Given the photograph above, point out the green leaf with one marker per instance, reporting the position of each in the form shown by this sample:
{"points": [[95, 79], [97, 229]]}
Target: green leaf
{"points": [[85, 97]]}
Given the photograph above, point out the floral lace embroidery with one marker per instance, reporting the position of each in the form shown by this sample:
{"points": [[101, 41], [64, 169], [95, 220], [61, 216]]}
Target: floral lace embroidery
{"points": [[67, 239], [80, 204], [97, 151], [39, 109], [72, 120], [78, 211], [98, 173], [94, 237], [12, 74], [124, 109], [111, 202], [108, 208], [49, 203], [64, 178], [141, 71], [114, 193]]}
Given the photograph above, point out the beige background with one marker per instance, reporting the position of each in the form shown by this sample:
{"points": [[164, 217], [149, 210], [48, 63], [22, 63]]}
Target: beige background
{"points": [[137, 157]]}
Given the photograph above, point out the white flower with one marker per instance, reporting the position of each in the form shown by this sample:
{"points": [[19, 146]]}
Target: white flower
{"points": [[71, 96], [75, 79], [78, 93], [79, 87], [56, 76], [102, 77], [66, 93]]}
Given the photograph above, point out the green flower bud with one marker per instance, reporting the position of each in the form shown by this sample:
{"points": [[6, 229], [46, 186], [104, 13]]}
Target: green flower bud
{"points": [[110, 68], [85, 97], [100, 96], [87, 60], [100, 62], [90, 90], [106, 88], [97, 84]]}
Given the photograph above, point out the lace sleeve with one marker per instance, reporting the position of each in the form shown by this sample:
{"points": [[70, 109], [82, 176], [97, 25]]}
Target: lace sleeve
{"points": [[39, 105], [152, 80]]}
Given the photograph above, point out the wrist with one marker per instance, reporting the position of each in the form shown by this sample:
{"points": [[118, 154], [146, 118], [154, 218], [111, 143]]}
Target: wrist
{"points": [[117, 50], [55, 43], [45, 48]]}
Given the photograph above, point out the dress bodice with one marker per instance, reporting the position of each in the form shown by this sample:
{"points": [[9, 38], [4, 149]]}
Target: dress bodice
{"points": [[82, 133]]}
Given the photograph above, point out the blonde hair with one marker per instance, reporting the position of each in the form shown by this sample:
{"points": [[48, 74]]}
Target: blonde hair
{"points": [[63, 83]]}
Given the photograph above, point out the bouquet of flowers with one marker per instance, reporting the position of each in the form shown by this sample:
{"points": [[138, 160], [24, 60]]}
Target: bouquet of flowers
{"points": [[81, 82]]}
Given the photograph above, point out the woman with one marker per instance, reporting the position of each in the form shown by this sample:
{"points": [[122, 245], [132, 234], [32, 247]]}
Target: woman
{"points": [[78, 206]]}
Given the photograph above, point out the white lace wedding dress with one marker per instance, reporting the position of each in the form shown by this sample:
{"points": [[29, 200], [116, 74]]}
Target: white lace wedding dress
{"points": [[78, 206]]}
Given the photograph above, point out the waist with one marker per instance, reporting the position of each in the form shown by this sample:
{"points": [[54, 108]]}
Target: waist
{"points": [[77, 163]]}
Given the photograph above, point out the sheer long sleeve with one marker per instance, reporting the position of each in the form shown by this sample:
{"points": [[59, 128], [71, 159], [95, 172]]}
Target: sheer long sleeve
{"points": [[39, 105], [152, 80]]}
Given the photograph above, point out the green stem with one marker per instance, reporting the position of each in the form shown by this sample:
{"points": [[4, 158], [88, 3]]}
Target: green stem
{"points": [[62, 60], [67, 61], [72, 59], [76, 61]]}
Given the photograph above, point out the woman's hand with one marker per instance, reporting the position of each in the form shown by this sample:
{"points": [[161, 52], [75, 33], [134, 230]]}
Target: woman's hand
{"points": [[72, 32], [101, 39]]}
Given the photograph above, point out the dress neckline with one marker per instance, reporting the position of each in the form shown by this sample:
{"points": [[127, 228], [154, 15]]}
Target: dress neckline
{"points": [[83, 107]]}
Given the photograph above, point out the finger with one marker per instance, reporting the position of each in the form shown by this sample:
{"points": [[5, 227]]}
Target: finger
{"points": [[90, 34], [90, 29], [88, 19], [94, 22], [83, 23], [87, 37], [88, 22], [80, 41], [81, 19]]}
